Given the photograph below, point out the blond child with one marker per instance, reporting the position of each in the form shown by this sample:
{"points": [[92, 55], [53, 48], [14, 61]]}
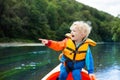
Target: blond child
{"points": [[76, 53]]}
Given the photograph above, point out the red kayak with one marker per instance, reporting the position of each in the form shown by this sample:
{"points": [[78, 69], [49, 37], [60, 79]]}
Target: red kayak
{"points": [[53, 75]]}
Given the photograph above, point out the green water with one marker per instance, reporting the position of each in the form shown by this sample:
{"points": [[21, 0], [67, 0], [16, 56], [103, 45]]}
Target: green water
{"points": [[107, 61], [33, 62], [26, 63]]}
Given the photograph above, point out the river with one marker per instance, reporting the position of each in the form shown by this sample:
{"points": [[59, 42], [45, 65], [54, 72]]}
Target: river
{"points": [[34, 62]]}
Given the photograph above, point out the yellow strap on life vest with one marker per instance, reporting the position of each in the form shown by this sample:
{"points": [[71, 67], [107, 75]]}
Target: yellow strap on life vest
{"points": [[90, 42]]}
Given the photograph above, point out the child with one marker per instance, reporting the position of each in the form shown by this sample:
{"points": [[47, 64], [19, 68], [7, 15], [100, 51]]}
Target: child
{"points": [[76, 53]]}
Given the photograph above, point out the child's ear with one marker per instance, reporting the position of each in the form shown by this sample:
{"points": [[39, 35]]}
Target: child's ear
{"points": [[83, 34]]}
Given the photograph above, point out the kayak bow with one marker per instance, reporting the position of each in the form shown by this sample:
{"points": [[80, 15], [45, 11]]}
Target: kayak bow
{"points": [[53, 75]]}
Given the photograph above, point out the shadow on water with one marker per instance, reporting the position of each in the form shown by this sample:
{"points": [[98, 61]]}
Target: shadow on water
{"points": [[34, 62]]}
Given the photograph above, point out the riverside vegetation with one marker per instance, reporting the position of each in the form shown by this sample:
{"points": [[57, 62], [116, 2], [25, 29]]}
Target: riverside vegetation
{"points": [[27, 20]]}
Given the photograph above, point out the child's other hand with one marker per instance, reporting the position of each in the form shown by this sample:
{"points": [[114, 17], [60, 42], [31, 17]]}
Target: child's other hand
{"points": [[44, 41], [92, 77]]}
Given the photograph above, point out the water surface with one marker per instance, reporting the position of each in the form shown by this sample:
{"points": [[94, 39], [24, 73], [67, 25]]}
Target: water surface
{"points": [[33, 62], [107, 61]]}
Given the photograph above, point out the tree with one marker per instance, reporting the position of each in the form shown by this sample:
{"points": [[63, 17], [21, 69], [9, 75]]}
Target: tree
{"points": [[116, 29]]}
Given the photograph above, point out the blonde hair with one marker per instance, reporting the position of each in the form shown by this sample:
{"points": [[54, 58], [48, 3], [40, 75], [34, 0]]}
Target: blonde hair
{"points": [[82, 26]]}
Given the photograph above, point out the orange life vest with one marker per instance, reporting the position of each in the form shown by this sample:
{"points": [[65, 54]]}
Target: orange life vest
{"points": [[74, 53]]}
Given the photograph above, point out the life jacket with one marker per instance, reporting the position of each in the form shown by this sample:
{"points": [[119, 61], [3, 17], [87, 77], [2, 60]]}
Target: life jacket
{"points": [[77, 53]]}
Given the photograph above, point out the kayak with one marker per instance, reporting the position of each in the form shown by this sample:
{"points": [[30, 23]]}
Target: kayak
{"points": [[53, 75]]}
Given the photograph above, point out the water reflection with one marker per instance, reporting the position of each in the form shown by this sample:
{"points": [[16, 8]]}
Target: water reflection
{"points": [[109, 73], [107, 58], [34, 62], [27, 63]]}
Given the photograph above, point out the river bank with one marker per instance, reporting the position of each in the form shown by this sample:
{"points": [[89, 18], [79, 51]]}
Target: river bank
{"points": [[19, 44], [14, 44]]}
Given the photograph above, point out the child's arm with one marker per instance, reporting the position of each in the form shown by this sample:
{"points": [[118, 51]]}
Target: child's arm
{"points": [[89, 61], [90, 64], [55, 45]]}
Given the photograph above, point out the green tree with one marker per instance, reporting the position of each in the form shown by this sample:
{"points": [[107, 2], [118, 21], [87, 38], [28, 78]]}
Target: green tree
{"points": [[116, 29]]}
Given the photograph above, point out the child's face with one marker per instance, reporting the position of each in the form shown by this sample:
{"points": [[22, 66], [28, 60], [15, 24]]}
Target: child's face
{"points": [[77, 35]]}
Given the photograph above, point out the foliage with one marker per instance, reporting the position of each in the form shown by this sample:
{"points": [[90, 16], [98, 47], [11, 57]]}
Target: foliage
{"points": [[31, 19], [116, 29]]}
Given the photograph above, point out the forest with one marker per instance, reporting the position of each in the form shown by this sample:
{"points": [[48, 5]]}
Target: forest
{"points": [[28, 20]]}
